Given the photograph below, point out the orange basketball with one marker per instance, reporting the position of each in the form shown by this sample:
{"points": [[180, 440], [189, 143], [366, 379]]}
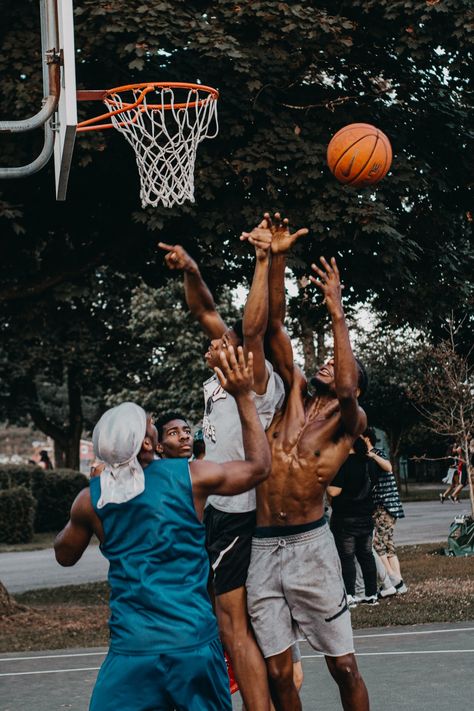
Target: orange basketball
{"points": [[359, 154]]}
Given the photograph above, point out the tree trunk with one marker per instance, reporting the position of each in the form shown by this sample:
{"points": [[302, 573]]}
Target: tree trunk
{"points": [[8, 606], [394, 439], [470, 471], [322, 350], [309, 351]]}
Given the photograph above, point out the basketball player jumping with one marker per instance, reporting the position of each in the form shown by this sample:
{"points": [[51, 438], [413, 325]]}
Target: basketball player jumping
{"points": [[295, 587]]}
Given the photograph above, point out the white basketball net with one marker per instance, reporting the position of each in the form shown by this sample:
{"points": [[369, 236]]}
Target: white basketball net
{"points": [[165, 141]]}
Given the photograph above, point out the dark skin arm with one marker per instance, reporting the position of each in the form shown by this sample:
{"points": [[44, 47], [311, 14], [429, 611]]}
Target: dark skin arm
{"points": [[73, 540], [345, 368], [281, 351], [235, 477], [255, 319], [198, 297]]}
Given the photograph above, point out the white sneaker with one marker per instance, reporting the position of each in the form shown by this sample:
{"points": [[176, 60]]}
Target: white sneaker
{"points": [[352, 601], [401, 588], [387, 592]]}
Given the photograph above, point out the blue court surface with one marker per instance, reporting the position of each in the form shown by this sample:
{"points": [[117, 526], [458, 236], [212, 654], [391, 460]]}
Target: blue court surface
{"points": [[420, 668]]}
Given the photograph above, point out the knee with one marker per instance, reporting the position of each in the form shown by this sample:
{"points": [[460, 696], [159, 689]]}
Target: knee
{"points": [[279, 674], [344, 670]]}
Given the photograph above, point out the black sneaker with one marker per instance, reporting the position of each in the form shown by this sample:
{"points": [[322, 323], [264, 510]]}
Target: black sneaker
{"points": [[370, 600]]}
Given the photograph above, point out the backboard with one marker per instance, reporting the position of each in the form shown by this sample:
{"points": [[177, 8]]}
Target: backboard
{"points": [[66, 115]]}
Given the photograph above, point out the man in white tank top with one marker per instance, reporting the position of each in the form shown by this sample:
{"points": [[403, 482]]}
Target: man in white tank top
{"points": [[230, 520]]}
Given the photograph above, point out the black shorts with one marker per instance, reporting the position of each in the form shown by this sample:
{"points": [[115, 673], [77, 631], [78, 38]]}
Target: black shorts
{"points": [[229, 544]]}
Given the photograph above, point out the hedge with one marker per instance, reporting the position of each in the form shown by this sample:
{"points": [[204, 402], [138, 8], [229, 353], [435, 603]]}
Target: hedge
{"points": [[19, 475], [54, 497], [17, 515], [54, 491]]}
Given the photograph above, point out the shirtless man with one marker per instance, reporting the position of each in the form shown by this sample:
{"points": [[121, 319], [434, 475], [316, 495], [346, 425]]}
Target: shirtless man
{"points": [[294, 587]]}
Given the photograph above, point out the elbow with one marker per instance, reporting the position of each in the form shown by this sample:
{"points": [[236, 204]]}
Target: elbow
{"points": [[275, 325], [346, 393], [263, 471], [64, 560], [65, 557]]}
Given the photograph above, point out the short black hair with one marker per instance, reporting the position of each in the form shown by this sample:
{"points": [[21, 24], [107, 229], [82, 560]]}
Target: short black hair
{"points": [[370, 434], [163, 420], [363, 381], [199, 447], [238, 330]]}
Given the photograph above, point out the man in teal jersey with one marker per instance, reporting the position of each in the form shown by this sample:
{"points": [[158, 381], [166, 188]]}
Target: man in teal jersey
{"points": [[164, 651]]}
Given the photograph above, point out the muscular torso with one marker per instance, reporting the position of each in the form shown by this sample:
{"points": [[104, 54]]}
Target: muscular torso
{"points": [[308, 444]]}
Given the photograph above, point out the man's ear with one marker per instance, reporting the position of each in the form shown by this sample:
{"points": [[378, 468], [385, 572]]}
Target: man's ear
{"points": [[358, 392], [147, 445], [159, 448]]}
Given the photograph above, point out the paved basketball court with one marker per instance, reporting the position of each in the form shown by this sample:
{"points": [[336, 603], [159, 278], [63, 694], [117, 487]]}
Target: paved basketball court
{"points": [[420, 667]]}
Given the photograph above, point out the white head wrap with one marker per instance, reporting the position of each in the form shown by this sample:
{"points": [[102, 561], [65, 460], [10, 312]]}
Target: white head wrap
{"points": [[117, 440]]}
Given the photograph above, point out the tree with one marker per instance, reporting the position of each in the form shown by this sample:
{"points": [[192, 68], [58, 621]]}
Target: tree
{"points": [[8, 606], [444, 395], [391, 360], [166, 367], [59, 358], [289, 75]]}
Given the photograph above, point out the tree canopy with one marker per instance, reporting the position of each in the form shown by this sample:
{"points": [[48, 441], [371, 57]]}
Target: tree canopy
{"points": [[289, 76]]}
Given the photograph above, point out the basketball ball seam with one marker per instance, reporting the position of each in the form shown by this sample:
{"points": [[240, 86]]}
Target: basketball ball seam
{"points": [[377, 138], [348, 149]]}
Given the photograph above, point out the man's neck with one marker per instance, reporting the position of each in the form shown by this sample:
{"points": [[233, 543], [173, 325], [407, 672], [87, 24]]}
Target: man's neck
{"points": [[318, 402]]}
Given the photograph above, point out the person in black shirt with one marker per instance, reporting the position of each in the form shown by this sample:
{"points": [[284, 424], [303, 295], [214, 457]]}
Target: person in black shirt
{"points": [[352, 524]]}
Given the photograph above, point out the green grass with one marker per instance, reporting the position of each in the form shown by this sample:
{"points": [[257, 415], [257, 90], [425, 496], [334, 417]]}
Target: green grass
{"points": [[440, 589]]}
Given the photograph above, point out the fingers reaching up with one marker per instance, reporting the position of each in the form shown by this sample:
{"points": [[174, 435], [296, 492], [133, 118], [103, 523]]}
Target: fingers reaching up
{"points": [[235, 373], [329, 283]]}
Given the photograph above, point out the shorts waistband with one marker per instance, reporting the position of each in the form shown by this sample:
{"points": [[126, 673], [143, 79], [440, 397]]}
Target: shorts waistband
{"points": [[286, 531]]}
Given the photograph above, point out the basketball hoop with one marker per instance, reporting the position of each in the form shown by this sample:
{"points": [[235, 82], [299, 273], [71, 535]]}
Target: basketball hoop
{"points": [[164, 123]]}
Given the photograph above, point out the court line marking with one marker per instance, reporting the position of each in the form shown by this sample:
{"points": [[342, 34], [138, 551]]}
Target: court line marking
{"points": [[55, 656], [304, 656], [359, 636], [401, 634], [394, 654], [50, 671]]}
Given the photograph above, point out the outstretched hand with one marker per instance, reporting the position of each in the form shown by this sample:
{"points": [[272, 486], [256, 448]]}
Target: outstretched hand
{"points": [[330, 284], [177, 257], [282, 238], [261, 238], [235, 374]]}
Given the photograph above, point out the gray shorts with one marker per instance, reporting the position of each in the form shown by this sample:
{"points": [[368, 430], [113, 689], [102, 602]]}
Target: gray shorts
{"points": [[295, 591]]}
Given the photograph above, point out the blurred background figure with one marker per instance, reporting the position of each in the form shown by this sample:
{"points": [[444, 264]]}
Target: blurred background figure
{"points": [[351, 523], [454, 476], [44, 461], [199, 446], [388, 509]]}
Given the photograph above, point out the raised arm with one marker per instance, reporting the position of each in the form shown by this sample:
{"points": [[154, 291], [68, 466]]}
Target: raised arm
{"points": [[73, 540], [235, 477], [198, 297], [346, 372], [255, 319], [279, 343]]}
